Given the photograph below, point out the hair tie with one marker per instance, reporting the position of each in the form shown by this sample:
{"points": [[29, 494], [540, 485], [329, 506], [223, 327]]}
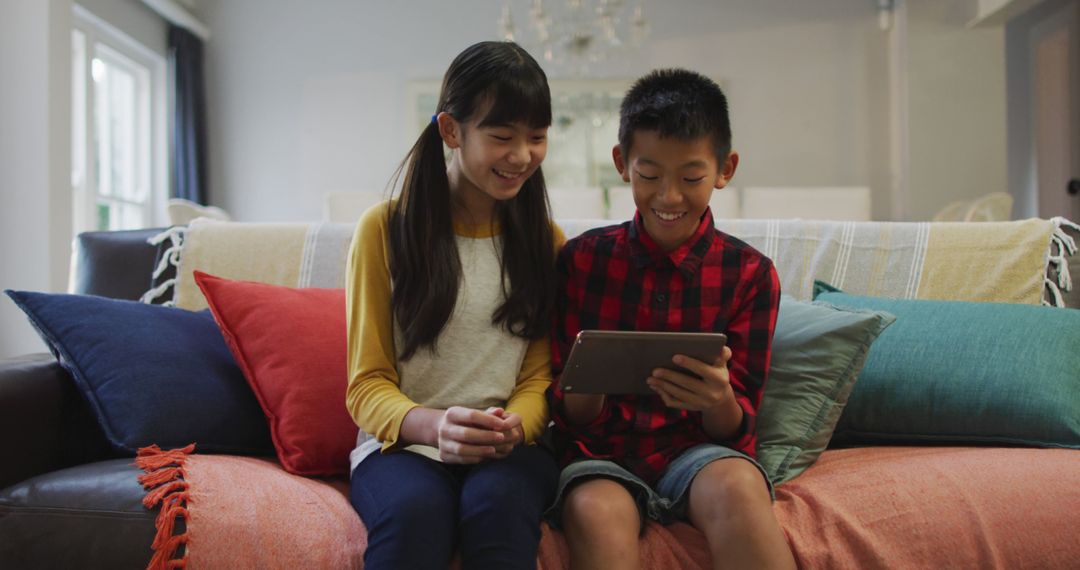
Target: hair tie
{"points": [[435, 119]]}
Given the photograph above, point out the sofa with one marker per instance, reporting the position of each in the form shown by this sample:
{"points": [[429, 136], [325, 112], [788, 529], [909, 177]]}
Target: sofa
{"points": [[950, 441]]}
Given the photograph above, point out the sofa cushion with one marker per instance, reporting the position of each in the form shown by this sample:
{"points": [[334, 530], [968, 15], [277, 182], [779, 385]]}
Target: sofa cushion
{"points": [[818, 351], [44, 420], [286, 254], [224, 492], [152, 374], [90, 516], [990, 261], [934, 507], [957, 372], [291, 345], [247, 512], [883, 507]]}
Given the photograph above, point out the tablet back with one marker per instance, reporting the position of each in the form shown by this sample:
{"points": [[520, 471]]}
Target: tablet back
{"points": [[618, 362]]}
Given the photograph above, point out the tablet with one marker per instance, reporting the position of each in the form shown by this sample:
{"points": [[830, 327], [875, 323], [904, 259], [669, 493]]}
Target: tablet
{"points": [[618, 362]]}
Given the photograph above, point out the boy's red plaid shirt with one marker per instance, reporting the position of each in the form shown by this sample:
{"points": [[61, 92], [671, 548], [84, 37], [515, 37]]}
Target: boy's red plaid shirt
{"points": [[618, 278]]}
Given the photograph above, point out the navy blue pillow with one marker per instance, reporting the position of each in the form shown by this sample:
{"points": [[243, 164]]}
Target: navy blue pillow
{"points": [[152, 374]]}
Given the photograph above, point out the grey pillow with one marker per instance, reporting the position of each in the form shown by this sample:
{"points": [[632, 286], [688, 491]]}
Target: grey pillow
{"points": [[818, 351]]}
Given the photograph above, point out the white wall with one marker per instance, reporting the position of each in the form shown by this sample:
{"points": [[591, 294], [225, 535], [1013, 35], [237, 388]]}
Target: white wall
{"points": [[35, 146], [997, 12], [1023, 175], [35, 158], [307, 98], [956, 112], [133, 18]]}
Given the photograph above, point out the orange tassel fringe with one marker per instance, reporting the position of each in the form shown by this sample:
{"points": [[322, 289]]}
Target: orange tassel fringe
{"points": [[166, 486]]}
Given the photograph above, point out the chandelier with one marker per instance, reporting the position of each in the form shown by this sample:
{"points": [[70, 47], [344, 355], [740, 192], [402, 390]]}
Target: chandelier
{"points": [[579, 33]]}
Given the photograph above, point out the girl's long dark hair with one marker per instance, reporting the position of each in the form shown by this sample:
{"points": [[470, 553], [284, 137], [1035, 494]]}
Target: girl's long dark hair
{"points": [[424, 263]]}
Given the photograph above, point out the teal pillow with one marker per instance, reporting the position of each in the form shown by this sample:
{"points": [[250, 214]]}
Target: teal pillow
{"points": [[818, 350], [958, 373]]}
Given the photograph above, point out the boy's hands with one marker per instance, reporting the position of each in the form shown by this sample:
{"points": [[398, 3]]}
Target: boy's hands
{"points": [[468, 436], [685, 392]]}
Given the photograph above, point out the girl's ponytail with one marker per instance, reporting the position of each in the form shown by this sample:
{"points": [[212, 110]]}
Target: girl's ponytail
{"points": [[509, 86], [423, 254]]}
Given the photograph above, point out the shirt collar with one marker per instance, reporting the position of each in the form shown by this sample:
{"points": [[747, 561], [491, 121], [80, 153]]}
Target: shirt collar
{"points": [[477, 231], [686, 258]]}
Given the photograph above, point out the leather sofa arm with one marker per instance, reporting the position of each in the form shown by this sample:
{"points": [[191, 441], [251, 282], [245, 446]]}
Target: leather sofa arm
{"points": [[45, 424]]}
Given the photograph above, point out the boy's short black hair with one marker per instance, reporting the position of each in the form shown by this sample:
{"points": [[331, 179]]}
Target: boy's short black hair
{"points": [[676, 103]]}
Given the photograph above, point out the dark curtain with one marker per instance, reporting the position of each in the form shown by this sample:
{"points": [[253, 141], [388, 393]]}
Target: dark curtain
{"points": [[189, 117]]}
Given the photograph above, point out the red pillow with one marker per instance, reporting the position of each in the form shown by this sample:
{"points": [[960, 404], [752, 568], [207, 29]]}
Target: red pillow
{"points": [[291, 345]]}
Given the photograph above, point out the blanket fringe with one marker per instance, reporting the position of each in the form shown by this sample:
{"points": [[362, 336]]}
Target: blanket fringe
{"points": [[1062, 246], [170, 257], [167, 488]]}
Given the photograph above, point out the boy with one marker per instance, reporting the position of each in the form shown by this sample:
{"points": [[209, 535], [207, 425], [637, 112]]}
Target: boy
{"points": [[685, 453]]}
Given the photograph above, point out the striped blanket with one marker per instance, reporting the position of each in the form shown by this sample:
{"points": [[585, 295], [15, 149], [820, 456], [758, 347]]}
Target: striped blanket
{"points": [[993, 261], [293, 255], [1003, 262]]}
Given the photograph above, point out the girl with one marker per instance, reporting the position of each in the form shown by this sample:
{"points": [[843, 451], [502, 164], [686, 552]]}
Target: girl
{"points": [[450, 292]]}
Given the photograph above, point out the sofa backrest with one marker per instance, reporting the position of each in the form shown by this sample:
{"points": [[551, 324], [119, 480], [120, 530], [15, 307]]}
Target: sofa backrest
{"points": [[993, 261], [116, 264]]}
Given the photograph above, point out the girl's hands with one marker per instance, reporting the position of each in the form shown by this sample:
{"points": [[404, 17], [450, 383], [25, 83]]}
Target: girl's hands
{"points": [[514, 434], [470, 436], [685, 392]]}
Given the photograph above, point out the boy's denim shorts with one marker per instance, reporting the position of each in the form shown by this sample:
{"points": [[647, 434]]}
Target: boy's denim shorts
{"points": [[666, 503]]}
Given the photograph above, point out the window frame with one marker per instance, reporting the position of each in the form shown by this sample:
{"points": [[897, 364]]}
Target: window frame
{"points": [[152, 140]]}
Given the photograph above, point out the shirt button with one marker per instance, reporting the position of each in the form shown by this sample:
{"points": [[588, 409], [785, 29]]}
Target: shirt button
{"points": [[661, 298]]}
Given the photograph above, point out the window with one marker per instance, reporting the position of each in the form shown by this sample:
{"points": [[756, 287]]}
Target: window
{"points": [[118, 129]]}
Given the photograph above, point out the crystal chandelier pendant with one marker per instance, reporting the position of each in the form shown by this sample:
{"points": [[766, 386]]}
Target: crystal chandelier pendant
{"points": [[578, 34]]}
